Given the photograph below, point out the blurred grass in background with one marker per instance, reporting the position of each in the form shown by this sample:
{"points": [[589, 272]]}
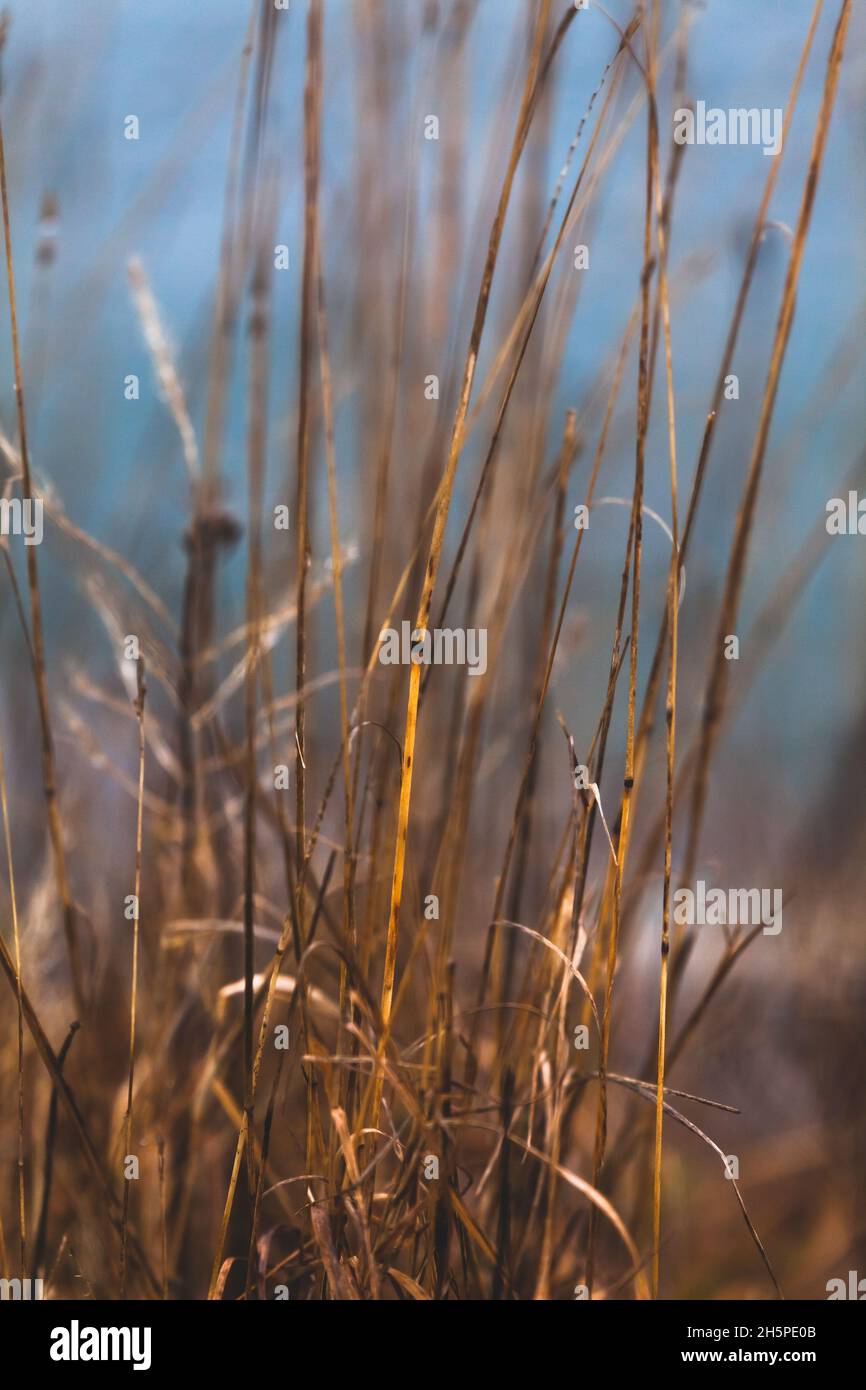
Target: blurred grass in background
{"points": [[298, 137]]}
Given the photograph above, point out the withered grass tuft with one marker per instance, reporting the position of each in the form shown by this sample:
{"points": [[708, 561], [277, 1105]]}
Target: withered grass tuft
{"points": [[348, 980]]}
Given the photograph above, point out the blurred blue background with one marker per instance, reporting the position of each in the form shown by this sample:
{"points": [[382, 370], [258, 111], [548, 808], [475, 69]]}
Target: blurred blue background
{"points": [[73, 73]]}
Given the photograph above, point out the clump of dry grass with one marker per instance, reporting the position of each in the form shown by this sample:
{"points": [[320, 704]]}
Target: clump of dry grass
{"points": [[374, 907]]}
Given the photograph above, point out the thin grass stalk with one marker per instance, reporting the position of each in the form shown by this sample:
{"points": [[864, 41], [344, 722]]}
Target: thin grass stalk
{"points": [[16, 938], [133, 1003], [636, 527], [673, 627], [49, 776], [436, 543]]}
